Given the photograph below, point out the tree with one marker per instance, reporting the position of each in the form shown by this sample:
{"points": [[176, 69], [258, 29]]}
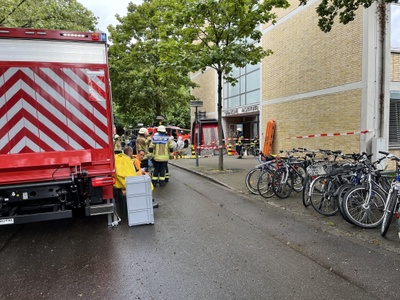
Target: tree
{"points": [[143, 85], [328, 10], [216, 34], [47, 14]]}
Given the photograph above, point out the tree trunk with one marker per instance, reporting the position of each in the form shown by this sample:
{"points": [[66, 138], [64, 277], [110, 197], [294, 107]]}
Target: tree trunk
{"points": [[382, 24], [220, 136]]}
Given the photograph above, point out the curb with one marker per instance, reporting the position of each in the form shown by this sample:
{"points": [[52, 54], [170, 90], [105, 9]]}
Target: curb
{"points": [[204, 176]]}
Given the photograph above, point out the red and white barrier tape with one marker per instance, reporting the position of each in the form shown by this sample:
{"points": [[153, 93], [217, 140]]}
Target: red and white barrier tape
{"points": [[329, 134], [235, 139]]}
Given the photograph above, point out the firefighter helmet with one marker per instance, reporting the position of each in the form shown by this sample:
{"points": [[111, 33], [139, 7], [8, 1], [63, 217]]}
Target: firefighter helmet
{"points": [[143, 131], [161, 129]]}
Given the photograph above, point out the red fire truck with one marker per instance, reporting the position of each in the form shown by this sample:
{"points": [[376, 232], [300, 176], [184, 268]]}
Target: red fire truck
{"points": [[56, 146], [176, 132]]}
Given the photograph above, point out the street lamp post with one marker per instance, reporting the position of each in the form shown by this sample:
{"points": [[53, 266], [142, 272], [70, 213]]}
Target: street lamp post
{"points": [[196, 104]]}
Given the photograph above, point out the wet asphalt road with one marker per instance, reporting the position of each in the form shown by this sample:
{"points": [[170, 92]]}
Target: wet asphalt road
{"points": [[207, 243]]}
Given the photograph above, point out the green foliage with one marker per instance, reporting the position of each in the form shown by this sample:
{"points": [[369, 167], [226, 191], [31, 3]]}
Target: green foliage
{"points": [[145, 86], [216, 34], [47, 14], [345, 10]]}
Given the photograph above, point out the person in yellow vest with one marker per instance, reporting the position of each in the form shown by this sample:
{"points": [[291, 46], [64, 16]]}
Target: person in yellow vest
{"points": [[239, 142], [161, 147], [142, 143], [117, 144], [123, 168]]}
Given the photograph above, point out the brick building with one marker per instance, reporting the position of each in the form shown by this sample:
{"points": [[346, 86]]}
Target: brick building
{"points": [[315, 83]]}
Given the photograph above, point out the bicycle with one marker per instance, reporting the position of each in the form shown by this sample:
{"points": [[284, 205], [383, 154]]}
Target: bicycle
{"points": [[253, 148], [392, 201], [318, 168], [324, 190], [289, 177], [264, 184], [251, 179], [363, 205]]}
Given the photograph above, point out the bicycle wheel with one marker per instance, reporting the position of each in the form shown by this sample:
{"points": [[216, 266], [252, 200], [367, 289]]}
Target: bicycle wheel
{"points": [[362, 209], [264, 184], [322, 194], [251, 180], [306, 191], [282, 183], [298, 178], [388, 213], [342, 192]]}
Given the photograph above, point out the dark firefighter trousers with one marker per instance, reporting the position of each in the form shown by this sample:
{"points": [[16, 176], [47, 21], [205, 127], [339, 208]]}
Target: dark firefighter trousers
{"points": [[160, 168]]}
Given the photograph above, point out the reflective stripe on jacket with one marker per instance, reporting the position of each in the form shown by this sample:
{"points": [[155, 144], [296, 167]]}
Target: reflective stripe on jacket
{"points": [[161, 145]]}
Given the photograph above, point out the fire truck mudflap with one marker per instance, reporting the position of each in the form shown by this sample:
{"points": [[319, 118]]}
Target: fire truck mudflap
{"points": [[56, 146]]}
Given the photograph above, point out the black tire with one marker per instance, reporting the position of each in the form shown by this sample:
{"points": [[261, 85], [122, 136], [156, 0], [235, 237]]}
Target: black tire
{"points": [[264, 184], [282, 183], [364, 212], [306, 191], [388, 213], [342, 192], [298, 178], [322, 195], [251, 180]]}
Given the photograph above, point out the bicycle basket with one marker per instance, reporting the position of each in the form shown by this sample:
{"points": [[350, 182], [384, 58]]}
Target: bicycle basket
{"points": [[320, 168], [316, 170]]}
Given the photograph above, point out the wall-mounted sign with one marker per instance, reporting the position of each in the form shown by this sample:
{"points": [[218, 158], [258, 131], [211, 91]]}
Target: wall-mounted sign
{"points": [[240, 110]]}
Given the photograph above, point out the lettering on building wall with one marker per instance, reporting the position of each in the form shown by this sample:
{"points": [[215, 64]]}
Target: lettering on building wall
{"points": [[240, 110]]}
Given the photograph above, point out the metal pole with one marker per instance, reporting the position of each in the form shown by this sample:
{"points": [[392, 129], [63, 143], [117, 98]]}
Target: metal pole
{"points": [[197, 139]]}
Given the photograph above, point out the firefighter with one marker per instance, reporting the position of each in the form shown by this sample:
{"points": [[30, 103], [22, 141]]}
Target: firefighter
{"points": [[117, 144], [239, 142], [161, 147], [143, 144]]}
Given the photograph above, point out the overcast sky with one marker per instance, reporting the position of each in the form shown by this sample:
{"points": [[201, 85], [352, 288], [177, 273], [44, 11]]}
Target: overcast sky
{"points": [[106, 10]]}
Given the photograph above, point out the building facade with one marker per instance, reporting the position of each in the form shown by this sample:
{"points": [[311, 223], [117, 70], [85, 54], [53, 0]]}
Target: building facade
{"points": [[336, 90]]}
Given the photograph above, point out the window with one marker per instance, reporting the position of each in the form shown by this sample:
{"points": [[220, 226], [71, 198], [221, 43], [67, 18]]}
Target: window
{"points": [[395, 26], [394, 119], [246, 90]]}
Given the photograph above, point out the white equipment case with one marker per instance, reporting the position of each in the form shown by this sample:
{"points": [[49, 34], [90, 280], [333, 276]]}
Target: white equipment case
{"points": [[139, 200]]}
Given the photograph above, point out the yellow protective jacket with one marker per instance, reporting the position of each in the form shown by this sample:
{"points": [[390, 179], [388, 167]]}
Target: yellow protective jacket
{"points": [[142, 143], [239, 139], [123, 168], [161, 146]]}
